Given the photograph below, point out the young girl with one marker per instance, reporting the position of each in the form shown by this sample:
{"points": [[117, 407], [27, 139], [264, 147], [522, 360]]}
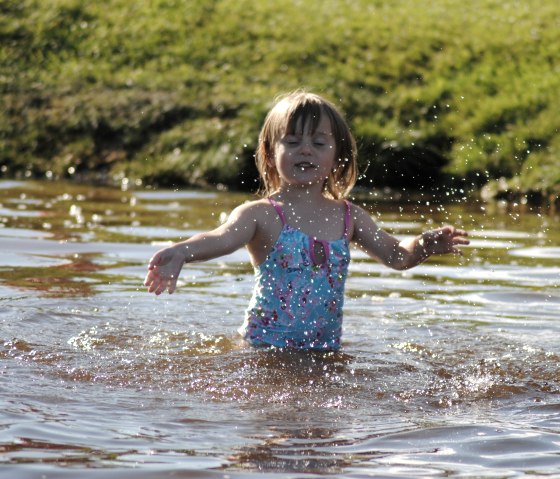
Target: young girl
{"points": [[298, 235]]}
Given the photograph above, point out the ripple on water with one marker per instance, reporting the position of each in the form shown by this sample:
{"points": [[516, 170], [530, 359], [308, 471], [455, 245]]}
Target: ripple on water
{"points": [[516, 298], [9, 184], [151, 232], [474, 449], [173, 195], [19, 213], [23, 233], [488, 233], [400, 225], [537, 252], [519, 309], [491, 244], [500, 275]]}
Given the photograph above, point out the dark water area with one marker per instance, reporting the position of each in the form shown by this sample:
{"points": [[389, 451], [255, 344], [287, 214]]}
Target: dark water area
{"points": [[447, 370]]}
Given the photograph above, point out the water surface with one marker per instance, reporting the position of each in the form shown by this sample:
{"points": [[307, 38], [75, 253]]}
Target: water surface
{"points": [[447, 370]]}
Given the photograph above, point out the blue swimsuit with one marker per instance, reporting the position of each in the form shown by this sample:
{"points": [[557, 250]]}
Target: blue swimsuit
{"points": [[296, 302]]}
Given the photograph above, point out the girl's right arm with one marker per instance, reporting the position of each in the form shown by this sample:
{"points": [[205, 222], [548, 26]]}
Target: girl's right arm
{"points": [[165, 266]]}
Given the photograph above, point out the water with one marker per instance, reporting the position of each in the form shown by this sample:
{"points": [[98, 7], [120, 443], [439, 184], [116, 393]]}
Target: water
{"points": [[447, 370]]}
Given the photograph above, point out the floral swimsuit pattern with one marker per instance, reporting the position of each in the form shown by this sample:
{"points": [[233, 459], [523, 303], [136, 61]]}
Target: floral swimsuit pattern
{"points": [[297, 303]]}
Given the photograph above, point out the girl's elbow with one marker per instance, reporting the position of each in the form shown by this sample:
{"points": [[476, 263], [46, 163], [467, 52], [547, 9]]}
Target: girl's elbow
{"points": [[399, 266], [400, 262]]}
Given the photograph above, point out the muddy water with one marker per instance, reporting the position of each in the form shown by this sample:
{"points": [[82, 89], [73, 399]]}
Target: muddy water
{"points": [[447, 370]]}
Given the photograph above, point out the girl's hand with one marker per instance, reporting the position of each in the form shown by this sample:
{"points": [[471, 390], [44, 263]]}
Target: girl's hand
{"points": [[163, 270], [444, 240]]}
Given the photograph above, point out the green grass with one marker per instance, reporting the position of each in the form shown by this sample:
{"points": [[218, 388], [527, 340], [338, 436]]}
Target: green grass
{"points": [[174, 92]]}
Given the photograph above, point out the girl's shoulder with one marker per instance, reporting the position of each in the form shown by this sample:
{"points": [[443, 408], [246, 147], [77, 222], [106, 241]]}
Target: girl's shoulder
{"points": [[354, 208], [254, 205], [260, 210]]}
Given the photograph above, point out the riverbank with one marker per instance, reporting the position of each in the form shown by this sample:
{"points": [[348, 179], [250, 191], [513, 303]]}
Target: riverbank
{"points": [[444, 97]]}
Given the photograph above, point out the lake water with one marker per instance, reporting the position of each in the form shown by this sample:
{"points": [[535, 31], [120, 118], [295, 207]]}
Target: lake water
{"points": [[447, 370]]}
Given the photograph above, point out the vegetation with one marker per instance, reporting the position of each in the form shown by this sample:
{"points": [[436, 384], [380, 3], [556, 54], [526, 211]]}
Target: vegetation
{"points": [[439, 94]]}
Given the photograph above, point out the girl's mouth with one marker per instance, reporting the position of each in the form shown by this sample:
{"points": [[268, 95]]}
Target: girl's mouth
{"points": [[305, 165]]}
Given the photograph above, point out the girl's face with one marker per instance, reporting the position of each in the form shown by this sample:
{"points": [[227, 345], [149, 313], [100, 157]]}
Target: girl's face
{"points": [[304, 157]]}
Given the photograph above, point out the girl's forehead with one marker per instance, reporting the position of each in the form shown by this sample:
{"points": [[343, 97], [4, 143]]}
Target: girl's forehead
{"points": [[310, 124]]}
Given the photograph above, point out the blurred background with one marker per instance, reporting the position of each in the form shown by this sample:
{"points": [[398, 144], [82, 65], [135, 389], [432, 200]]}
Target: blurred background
{"points": [[441, 95]]}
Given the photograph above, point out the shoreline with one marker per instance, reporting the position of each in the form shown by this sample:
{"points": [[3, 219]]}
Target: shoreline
{"points": [[496, 192]]}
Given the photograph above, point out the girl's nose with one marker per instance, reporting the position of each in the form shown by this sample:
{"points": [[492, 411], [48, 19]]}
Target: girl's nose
{"points": [[305, 147]]}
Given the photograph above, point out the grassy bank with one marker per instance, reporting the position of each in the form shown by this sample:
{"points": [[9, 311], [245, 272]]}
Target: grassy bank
{"points": [[174, 91]]}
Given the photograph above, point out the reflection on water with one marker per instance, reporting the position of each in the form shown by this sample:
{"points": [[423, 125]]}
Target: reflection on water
{"points": [[449, 369]]}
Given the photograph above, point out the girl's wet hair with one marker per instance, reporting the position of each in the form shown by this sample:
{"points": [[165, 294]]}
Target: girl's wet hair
{"points": [[296, 110]]}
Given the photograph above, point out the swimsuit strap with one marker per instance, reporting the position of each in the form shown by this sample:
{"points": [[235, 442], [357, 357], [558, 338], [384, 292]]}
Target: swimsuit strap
{"points": [[279, 210], [347, 214]]}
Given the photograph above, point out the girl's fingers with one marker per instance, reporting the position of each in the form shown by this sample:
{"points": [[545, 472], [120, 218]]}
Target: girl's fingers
{"points": [[149, 278], [161, 288], [153, 262], [153, 285], [153, 281], [448, 238], [158, 285]]}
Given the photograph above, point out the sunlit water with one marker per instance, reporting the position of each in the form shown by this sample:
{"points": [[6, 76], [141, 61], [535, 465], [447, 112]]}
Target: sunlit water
{"points": [[447, 370]]}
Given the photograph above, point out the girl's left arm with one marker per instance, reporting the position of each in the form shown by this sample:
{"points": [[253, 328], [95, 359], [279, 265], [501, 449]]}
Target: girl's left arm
{"points": [[405, 254]]}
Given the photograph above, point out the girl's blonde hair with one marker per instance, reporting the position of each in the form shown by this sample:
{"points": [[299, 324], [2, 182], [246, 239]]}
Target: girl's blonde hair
{"points": [[300, 108]]}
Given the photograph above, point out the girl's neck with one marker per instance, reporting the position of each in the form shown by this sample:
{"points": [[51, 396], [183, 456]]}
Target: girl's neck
{"points": [[300, 195], [311, 212]]}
